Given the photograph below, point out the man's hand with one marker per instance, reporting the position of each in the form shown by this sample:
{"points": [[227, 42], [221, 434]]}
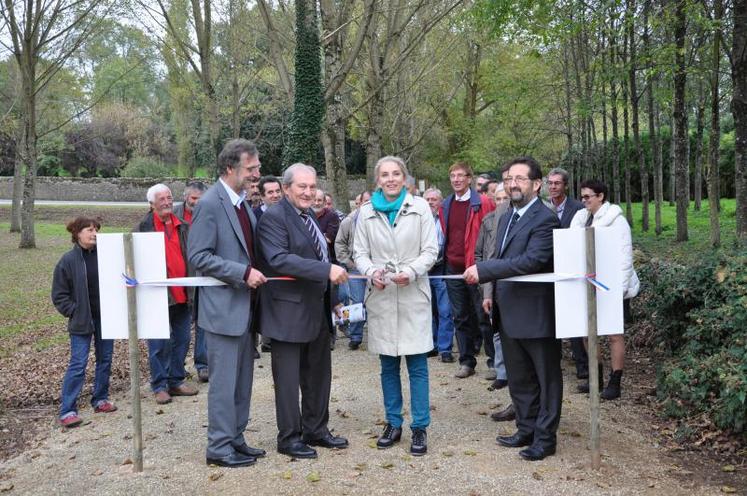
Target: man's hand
{"points": [[487, 305], [470, 275], [377, 279], [255, 279], [401, 279], [337, 274]]}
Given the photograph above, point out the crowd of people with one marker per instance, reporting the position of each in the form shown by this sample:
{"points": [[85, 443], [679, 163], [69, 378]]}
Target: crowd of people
{"points": [[429, 270]]}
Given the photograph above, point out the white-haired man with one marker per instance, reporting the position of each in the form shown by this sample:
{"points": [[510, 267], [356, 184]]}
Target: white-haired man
{"points": [[166, 356]]}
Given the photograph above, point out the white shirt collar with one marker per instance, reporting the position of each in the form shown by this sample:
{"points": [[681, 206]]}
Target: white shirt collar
{"points": [[235, 198], [465, 197], [524, 209], [560, 208]]}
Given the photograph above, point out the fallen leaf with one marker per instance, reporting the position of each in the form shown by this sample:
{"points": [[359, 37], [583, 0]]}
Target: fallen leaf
{"points": [[448, 454], [387, 465], [127, 461], [287, 475], [728, 468], [7, 486], [372, 444], [342, 413], [470, 452], [482, 412], [98, 472], [360, 467], [537, 476], [215, 476], [728, 489], [313, 477], [407, 457], [159, 411]]}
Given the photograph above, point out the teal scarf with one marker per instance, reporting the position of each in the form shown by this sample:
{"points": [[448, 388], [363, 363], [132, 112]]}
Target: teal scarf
{"points": [[381, 204]]}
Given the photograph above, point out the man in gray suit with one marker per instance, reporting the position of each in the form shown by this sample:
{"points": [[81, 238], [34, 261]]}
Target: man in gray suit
{"points": [[221, 245], [296, 314]]}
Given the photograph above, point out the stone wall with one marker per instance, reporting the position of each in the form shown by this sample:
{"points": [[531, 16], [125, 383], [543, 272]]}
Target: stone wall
{"points": [[117, 189]]}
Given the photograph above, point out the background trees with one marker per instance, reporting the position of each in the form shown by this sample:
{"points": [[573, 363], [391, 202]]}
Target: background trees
{"points": [[645, 94]]}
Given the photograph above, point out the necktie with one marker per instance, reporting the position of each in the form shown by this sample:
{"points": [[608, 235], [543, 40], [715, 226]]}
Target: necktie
{"points": [[514, 220], [312, 231], [589, 220]]}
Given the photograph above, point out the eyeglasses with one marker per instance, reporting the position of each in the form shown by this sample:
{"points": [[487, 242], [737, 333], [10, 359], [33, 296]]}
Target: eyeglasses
{"points": [[517, 179], [587, 197], [458, 176]]}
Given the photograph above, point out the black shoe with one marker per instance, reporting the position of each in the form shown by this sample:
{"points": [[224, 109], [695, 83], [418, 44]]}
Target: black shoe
{"points": [[328, 441], [390, 436], [432, 353], [298, 450], [447, 357], [514, 441], [353, 345], [506, 415], [536, 453], [419, 445], [498, 384], [203, 375], [247, 450], [613, 389], [266, 348], [582, 374], [256, 354], [233, 460]]}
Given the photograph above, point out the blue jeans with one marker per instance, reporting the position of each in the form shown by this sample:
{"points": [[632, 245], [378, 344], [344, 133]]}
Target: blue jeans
{"points": [[391, 385], [200, 352], [354, 291], [166, 356], [75, 376], [443, 325]]}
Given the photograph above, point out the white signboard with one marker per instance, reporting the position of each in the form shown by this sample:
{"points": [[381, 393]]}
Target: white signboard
{"points": [[152, 301], [569, 248]]}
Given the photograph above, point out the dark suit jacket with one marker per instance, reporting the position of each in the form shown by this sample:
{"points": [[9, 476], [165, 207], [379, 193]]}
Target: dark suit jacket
{"points": [[258, 212], [571, 207], [217, 248], [527, 310], [291, 311]]}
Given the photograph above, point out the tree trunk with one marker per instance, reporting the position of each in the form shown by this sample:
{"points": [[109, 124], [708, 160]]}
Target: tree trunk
{"points": [[640, 156], [626, 146], [739, 110], [15, 210], [568, 114], [28, 150], [653, 129], [714, 193], [699, 118], [680, 121]]}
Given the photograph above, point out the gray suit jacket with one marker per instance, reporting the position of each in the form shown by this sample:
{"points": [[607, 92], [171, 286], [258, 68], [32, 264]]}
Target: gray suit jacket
{"points": [[217, 248], [571, 207], [292, 311]]}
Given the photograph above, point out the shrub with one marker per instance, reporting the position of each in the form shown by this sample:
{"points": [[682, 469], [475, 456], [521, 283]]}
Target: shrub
{"points": [[699, 314], [147, 167]]}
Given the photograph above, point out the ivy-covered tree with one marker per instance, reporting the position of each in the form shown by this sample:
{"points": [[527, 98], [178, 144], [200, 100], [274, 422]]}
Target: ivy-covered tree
{"points": [[308, 103]]}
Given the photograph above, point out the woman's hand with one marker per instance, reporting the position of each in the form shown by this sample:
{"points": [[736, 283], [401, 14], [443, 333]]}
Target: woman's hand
{"points": [[401, 279], [377, 279]]}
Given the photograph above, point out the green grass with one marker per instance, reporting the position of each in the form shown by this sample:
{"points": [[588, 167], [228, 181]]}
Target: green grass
{"points": [[698, 244]]}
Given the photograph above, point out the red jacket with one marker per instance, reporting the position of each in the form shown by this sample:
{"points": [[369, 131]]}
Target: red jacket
{"points": [[479, 206]]}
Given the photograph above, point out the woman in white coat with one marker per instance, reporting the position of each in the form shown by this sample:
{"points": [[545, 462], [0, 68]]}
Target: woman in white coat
{"points": [[395, 245], [601, 213]]}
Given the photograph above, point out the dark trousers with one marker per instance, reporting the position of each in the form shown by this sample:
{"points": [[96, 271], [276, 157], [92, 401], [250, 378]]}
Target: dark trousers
{"points": [[307, 366], [535, 383], [470, 321], [580, 358]]}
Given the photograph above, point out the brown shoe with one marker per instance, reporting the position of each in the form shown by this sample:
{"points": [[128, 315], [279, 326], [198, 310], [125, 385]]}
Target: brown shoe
{"points": [[162, 397], [183, 390], [505, 415]]}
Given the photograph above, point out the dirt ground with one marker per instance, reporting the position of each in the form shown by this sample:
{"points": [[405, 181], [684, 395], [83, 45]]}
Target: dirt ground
{"points": [[463, 457]]}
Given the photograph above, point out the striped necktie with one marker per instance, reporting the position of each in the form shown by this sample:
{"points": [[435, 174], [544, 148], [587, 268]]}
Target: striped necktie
{"points": [[312, 231]]}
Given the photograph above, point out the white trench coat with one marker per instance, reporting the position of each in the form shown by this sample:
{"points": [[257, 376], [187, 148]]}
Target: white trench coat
{"points": [[399, 318]]}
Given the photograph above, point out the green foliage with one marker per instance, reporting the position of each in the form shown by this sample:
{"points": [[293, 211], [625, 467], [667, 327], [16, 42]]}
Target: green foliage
{"points": [[308, 106], [146, 167], [699, 314]]}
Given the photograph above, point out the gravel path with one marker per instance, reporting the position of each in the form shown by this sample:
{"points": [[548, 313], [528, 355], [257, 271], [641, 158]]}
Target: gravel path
{"points": [[463, 457]]}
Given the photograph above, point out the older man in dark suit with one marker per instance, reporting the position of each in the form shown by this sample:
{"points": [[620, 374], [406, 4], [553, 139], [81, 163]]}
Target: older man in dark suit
{"points": [[296, 315], [222, 246], [527, 311]]}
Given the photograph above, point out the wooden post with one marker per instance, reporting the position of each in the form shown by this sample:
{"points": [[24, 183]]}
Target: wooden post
{"points": [[137, 426], [591, 303]]}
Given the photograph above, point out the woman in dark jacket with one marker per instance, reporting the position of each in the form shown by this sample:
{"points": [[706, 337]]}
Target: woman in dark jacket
{"points": [[75, 294]]}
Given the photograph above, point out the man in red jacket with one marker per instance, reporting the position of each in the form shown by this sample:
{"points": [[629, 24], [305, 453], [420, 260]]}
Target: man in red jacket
{"points": [[461, 215]]}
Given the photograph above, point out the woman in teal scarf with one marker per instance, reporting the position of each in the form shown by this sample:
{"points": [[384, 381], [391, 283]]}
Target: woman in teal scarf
{"points": [[395, 245]]}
